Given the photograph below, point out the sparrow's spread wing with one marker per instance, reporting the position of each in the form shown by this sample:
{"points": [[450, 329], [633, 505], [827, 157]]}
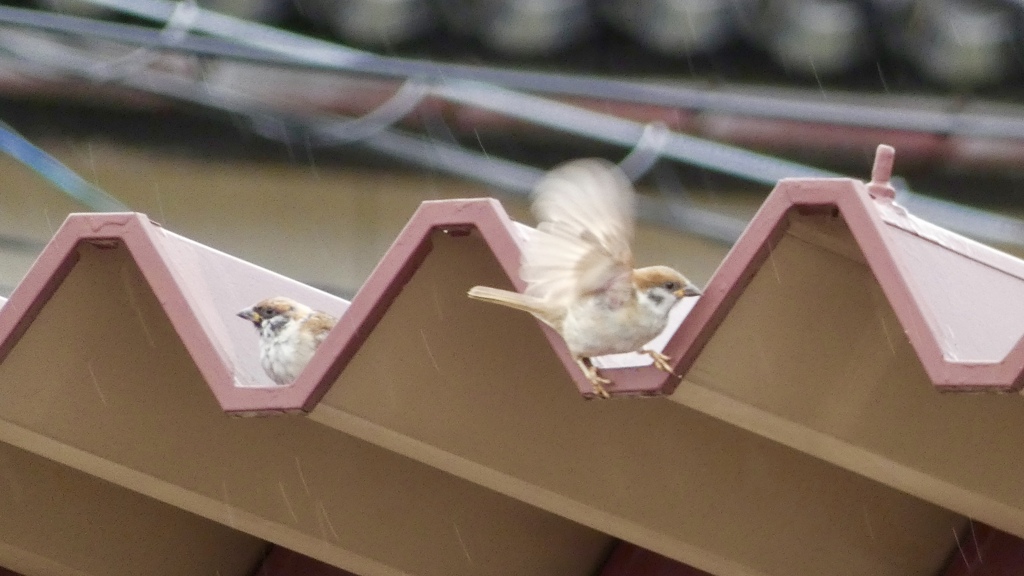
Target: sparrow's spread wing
{"points": [[582, 244]]}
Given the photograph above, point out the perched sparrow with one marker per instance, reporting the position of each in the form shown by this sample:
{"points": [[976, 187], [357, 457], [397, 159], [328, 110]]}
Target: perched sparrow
{"points": [[290, 333], [578, 269]]}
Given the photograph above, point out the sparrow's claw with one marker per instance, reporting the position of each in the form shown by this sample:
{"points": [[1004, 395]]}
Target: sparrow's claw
{"points": [[596, 380], [661, 361]]}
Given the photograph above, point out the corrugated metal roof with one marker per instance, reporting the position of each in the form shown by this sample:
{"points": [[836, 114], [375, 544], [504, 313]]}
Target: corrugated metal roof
{"points": [[405, 350], [961, 304], [199, 287]]}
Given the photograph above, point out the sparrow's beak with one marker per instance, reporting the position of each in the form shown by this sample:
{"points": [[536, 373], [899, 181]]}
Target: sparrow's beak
{"points": [[690, 289], [250, 315]]}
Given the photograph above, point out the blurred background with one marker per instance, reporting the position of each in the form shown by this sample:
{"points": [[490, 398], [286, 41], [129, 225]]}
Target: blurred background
{"points": [[301, 135]]}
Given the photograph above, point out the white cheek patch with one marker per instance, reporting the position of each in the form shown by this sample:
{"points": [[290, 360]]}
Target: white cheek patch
{"points": [[676, 316]]}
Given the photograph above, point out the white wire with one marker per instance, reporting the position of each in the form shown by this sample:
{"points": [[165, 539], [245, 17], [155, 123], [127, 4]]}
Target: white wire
{"points": [[645, 154], [689, 149], [606, 127], [50, 58], [175, 30]]}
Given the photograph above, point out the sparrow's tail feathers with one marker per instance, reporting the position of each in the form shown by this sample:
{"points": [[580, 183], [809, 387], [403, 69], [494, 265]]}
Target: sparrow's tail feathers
{"points": [[523, 302], [505, 298]]}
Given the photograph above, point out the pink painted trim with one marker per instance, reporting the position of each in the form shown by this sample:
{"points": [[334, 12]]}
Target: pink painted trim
{"points": [[984, 551], [174, 286], [185, 294], [29, 296], [864, 217], [488, 218]]}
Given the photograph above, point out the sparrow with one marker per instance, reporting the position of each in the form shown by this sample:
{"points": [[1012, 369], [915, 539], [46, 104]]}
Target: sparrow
{"points": [[290, 332], [578, 269]]}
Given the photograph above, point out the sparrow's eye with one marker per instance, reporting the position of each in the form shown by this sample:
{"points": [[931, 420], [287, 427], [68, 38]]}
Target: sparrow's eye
{"points": [[671, 286], [267, 312]]}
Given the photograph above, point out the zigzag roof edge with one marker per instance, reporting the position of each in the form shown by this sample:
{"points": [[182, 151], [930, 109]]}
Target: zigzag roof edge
{"points": [[879, 227], [198, 287]]}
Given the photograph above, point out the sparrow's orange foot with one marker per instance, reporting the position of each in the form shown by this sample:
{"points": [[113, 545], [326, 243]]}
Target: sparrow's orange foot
{"points": [[596, 380], [661, 361]]}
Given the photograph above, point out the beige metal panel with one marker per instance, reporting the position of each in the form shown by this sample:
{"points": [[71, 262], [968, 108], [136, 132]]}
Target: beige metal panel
{"points": [[324, 225], [813, 356], [477, 391], [101, 382], [58, 521]]}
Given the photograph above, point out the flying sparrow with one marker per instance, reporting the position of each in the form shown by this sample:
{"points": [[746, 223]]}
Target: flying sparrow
{"points": [[290, 333], [578, 269]]}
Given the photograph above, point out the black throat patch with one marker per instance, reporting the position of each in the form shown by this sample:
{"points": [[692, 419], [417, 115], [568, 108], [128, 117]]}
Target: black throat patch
{"points": [[655, 297]]}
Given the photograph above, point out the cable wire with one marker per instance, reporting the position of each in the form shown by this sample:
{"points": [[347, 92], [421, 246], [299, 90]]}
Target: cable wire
{"points": [[573, 119], [711, 155], [64, 178], [46, 58], [949, 119]]}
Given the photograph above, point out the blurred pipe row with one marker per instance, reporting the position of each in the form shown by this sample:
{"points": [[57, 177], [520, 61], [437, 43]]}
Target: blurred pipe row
{"points": [[956, 43], [36, 56], [834, 128]]}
